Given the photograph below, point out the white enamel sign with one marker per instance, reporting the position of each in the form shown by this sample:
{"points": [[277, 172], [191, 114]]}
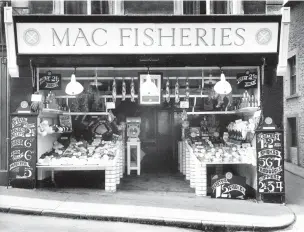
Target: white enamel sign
{"points": [[146, 38]]}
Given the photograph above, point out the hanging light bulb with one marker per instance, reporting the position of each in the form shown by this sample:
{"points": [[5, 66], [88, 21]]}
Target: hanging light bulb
{"points": [[222, 86], [149, 87], [73, 87]]}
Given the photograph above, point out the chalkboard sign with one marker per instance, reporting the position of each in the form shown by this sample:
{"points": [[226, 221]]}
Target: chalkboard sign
{"points": [[270, 161], [49, 81], [23, 147], [247, 80], [228, 186]]}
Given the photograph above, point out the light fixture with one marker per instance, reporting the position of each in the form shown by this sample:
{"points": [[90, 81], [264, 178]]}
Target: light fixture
{"points": [[149, 87], [73, 87], [222, 86]]}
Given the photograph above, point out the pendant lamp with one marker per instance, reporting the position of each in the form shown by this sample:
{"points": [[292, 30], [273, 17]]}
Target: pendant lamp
{"points": [[222, 86], [149, 87], [73, 87]]}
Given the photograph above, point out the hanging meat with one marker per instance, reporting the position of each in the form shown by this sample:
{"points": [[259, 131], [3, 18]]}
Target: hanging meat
{"points": [[114, 94], [168, 91], [176, 91], [124, 90], [187, 90], [132, 91]]}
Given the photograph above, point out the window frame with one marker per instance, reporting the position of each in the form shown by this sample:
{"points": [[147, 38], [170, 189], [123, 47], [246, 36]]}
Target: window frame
{"points": [[292, 54], [288, 141]]}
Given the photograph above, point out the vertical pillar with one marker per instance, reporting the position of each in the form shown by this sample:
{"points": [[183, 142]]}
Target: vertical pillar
{"points": [[12, 67], [110, 178], [201, 180], [188, 164], [193, 160], [184, 158]]}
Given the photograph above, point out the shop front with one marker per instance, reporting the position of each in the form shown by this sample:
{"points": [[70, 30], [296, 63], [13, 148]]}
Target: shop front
{"points": [[147, 94]]}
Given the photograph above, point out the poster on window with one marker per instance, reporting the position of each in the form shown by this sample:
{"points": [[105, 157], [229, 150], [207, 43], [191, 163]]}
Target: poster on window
{"points": [[247, 80], [150, 88]]}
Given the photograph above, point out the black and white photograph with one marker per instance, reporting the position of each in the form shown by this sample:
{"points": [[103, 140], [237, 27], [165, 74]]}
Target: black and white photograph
{"points": [[151, 115]]}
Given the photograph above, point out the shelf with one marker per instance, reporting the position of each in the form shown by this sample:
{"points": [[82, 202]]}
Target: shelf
{"points": [[211, 112], [102, 96], [59, 112], [164, 95], [85, 113], [247, 110]]}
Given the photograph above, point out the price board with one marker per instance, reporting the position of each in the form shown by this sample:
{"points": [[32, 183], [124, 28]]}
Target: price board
{"points": [[49, 81], [23, 147], [270, 162], [247, 80], [228, 186]]}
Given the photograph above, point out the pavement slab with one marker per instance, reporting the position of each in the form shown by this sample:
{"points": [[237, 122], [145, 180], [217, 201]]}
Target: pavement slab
{"points": [[164, 208]]}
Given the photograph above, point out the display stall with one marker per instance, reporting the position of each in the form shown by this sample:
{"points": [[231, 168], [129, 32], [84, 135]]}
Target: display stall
{"points": [[202, 84]]}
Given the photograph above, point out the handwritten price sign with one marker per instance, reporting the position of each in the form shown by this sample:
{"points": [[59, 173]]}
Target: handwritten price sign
{"points": [[270, 160], [23, 152], [49, 81]]}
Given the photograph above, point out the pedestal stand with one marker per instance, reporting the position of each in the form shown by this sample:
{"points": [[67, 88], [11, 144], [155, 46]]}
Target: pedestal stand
{"points": [[134, 165]]}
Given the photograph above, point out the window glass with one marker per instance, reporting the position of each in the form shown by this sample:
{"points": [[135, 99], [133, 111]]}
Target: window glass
{"points": [[292, 123], [100, 7], [75, 7], [2, 35], [221, 7], [41, 7], [149, 7], [194, 7], [293, 75], [254, 7]]}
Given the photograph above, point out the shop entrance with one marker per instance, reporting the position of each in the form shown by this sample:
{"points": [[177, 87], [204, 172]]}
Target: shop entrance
{"points": [[157, 140]]}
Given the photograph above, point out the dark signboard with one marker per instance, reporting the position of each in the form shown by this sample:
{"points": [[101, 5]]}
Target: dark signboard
{"points": [[270, 161], [23, 147], [228, 186], [247, 80], [49, 81]]}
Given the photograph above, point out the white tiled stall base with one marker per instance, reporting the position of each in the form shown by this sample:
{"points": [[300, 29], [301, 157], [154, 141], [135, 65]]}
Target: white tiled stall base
{"points": [[114, 169]]}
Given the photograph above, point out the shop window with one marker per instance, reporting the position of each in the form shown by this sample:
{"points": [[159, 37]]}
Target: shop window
{"points": [[100, 7], [292, 124], [75, 7], [221, 7], [293, 75], [2, 32], [149, 7], [194, 7], [41, 7], [254, 7]]}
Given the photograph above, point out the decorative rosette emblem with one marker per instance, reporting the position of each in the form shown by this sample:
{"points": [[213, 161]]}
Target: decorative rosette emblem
{"points": [[31, 37], [263, 36]]}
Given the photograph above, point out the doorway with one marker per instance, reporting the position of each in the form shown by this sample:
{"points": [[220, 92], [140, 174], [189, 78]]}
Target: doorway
{"points": [[157, 140]]}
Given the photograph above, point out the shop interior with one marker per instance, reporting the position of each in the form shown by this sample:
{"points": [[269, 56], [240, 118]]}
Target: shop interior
{"points": [[186, 94]]}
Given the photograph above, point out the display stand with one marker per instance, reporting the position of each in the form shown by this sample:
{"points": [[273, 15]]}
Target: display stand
{"points": [[133, 143]]}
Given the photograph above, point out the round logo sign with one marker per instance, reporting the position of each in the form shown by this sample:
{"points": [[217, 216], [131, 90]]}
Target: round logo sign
{"points": [[229, 175], [263, 36], [31, 37]]}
